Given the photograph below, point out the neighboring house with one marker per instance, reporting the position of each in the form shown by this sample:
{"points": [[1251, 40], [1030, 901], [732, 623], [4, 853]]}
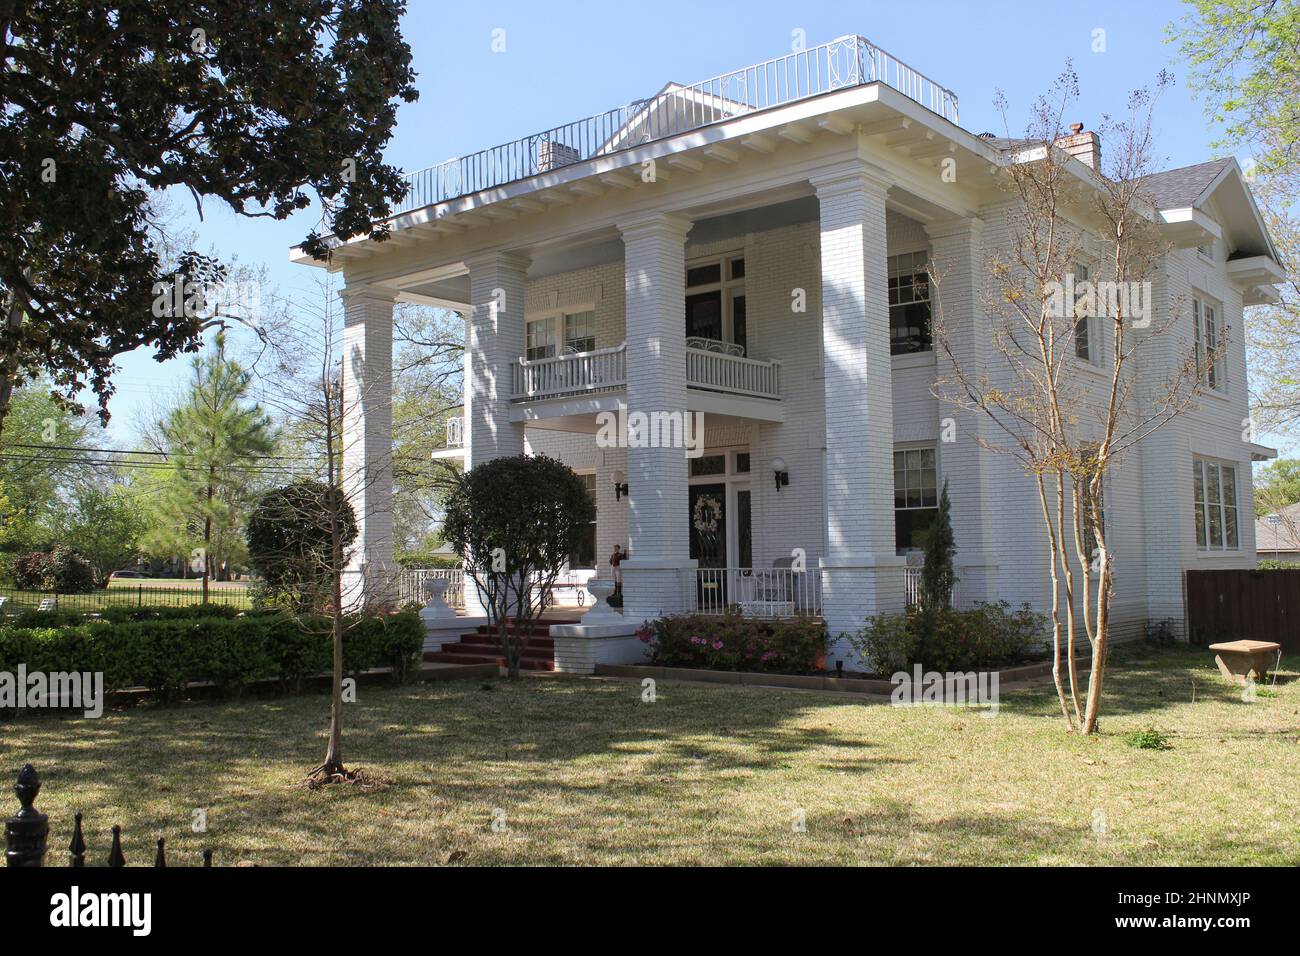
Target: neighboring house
{"points": [[754, 248], [1277, 536]]}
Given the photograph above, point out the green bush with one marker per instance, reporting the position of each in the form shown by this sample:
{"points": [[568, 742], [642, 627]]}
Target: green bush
{"points": [[61, 569], [735, 643], [165, 653], [944, 639]]}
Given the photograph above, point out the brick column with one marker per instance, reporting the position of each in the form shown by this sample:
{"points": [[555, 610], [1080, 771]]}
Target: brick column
{"points": [[659, 577], [494, 345], [957, 251], [367, 476], [861, 574]]}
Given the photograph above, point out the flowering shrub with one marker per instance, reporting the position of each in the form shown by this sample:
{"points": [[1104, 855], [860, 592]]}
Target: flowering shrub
{"points": [[943, 639], [735, 643]]}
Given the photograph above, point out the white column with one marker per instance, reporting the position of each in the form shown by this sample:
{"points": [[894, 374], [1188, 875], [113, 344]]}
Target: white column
{"points": [[957, 251], [861, 574], [495, 343], [368, 441], [659, 577]]}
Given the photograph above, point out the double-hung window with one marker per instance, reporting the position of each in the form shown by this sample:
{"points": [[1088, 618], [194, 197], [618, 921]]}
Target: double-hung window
{"points": [[1085, 346], [916, 497], [909, 303], [1208, 329], [569, 332], [1214, 494]]}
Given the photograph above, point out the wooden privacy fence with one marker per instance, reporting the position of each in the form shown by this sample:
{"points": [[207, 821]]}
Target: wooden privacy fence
{"points": [[1231, 605], [27, 832]]}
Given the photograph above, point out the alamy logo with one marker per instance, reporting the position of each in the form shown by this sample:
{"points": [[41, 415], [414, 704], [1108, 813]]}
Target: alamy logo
{"points": [[75, 908], [950, 689], [36, 690], [1085, 299], [624, 429]]}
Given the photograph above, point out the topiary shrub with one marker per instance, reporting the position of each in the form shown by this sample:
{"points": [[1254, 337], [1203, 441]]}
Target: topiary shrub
{"points": [[289, 544]]}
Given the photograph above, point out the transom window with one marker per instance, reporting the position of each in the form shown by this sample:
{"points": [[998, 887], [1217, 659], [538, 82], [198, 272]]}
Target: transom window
{"points": [[916, 497], [542, 336], [1209, 349], [909, 303], [1214, 494], [715, 300]]}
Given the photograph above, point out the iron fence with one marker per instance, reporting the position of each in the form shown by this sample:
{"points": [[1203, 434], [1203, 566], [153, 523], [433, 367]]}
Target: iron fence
{"points": [[141, 595], [27, 833]]}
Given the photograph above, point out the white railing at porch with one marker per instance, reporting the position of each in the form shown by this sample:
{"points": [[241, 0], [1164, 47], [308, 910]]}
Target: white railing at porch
{"points": [[410, 585], [455, 433], [912, 583], [576, 373], [758, 592], [718, 372]]}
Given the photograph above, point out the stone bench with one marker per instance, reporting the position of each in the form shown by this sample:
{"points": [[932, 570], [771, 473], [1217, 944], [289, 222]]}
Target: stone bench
{"points": [[1236, 659]]}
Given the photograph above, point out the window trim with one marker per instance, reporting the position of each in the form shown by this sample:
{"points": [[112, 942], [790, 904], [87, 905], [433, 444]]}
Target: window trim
{"points": [[556, 321], [1216, 375], [890, 260]]}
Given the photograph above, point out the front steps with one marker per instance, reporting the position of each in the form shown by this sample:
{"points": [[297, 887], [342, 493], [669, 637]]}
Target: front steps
{"points": [[481, 647]]}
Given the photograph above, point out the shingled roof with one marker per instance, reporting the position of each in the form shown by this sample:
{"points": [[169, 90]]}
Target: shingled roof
{"points": [[1175, 188]]}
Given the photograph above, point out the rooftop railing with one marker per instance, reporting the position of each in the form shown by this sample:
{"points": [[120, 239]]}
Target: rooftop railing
{"points": [[844, 62]]}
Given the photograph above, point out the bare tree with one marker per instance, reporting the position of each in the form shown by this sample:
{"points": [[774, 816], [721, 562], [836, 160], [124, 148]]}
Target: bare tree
{"points": [[1066, 430]]}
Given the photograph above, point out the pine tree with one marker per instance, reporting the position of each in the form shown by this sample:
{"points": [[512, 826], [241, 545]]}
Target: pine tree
{"points": [[213, 442]]}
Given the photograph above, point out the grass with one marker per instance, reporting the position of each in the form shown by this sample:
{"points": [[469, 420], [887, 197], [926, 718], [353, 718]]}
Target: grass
{"points": [[584, 771]]}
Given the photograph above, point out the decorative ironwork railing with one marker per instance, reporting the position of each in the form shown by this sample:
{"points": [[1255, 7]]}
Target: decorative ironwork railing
{"points": [[843, 62]]}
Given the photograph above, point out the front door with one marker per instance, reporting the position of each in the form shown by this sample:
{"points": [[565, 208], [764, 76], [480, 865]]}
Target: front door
{"points": [[709, 543]]}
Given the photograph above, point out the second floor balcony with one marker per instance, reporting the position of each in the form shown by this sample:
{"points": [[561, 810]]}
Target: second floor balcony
{"points": [[711, 366]]}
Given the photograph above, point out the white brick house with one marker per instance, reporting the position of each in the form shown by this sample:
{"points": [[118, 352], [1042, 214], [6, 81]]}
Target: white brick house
{"points": [[746, 248]]}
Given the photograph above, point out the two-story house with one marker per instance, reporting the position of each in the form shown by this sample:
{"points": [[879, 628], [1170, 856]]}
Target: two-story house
{"points": [[753, 248]]}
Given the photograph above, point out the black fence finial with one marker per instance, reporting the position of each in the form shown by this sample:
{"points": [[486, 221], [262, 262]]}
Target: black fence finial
{"points": [[77, 848], [27, 832], [115, 857]]}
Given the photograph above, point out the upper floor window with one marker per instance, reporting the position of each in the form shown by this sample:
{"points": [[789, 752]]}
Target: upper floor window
{"points": [[909, 303], [1214, 499], [916, 496], [715, 300], [1084, 331], [573, 331], [1208, 330]]}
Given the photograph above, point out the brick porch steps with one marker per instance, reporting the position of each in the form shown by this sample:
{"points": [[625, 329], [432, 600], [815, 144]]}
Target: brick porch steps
{"points": [[481, 647]]}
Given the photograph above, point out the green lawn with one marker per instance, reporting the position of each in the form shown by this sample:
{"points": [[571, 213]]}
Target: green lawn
{"points": [[582, 771], [133, 592]]}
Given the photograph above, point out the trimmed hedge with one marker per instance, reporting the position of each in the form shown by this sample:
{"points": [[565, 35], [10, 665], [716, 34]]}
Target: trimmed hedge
{"points": [[164, 652], [731, 642], [986, 636]]}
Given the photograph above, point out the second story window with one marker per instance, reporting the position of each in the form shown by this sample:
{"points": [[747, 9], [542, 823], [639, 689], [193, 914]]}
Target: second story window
{"points": [[547, 337], [715, 300], [1208, 330], [1084, 346], [909, 304]]}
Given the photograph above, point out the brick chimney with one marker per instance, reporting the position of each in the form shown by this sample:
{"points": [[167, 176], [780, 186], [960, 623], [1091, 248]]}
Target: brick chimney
{"points": [[1082, 146]]}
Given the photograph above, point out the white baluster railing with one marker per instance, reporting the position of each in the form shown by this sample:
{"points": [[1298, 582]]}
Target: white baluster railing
{"points": [[576, 373], [411, 582], [757, 592], [718, 372]]}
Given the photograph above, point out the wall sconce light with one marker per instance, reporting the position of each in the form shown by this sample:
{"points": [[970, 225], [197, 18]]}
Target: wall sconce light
{"points": [[782, 476], [620, 485]]}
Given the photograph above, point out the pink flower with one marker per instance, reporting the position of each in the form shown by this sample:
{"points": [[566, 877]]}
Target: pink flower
{"points": [[697, 640], [717, 645]]}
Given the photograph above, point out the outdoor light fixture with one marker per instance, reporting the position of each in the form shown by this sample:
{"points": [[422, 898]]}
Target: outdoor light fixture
{"points": [[782, 476], [620, 485]]}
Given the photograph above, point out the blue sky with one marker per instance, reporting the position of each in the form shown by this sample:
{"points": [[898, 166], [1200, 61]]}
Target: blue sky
{"points": [[567, 60]]}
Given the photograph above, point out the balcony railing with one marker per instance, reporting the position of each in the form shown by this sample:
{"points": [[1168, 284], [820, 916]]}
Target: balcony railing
{"points": [[569, 375], [734, 374], [845, 62], [604, 370]]}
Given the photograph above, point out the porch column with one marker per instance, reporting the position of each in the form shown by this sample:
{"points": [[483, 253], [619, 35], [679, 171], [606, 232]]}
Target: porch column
{"points": [[658, 578], [367, 477], [861, 574], [957, 251], [494, 344]]}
